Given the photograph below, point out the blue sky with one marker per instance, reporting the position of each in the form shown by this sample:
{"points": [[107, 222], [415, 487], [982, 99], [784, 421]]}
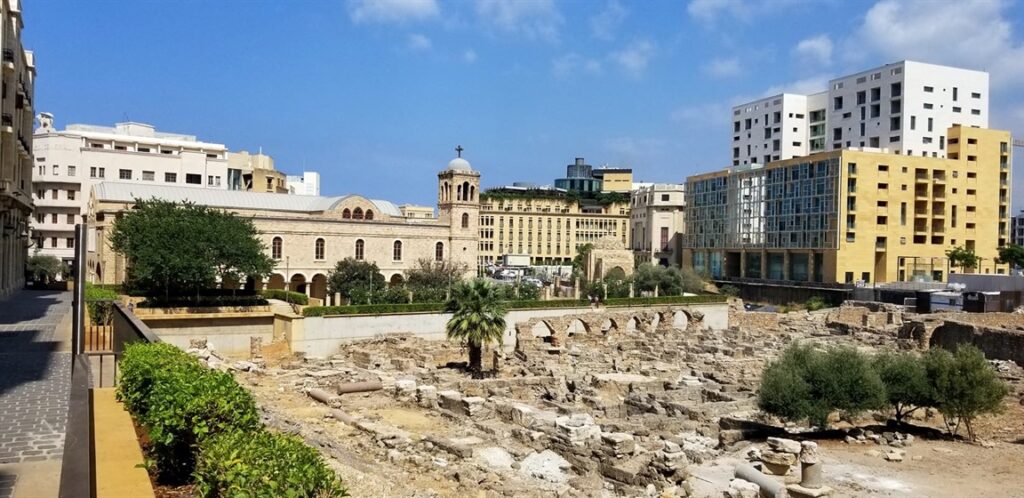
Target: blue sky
{"points": [[376, 94]]}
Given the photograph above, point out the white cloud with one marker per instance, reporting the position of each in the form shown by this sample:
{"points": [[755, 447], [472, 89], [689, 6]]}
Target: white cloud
{"points": [[604, 24], [813, 84], [723, 68], [469, 56], [419, 43], [815, 51], [634, 58], [392, 11], [743, 10], [573, 63], [968, 33], [533, 19]]}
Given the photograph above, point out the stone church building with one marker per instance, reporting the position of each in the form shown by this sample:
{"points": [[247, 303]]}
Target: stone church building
{"points": [[307, 235]]}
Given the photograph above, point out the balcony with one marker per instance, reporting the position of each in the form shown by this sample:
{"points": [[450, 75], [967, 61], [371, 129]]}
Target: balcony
{"points": [[921, 177]]}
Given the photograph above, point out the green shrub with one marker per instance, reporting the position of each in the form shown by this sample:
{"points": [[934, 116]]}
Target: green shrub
{"points": [[100, 302], [202, 301], [815, 303], [965, 386], [263, 464], [808, 384], [729, 290], [374, 309], [906, 382], [141, 366], [180, 402], [288, 296]]}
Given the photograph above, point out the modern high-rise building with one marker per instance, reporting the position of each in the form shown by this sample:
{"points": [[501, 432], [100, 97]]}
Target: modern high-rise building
{"points": [[657, 214], [902, 108], [854, 214], [1017, 229], [16, 163], [70, 161], [308, 183]]}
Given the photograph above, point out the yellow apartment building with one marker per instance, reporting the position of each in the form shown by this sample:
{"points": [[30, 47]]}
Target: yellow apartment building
{"points": [[853, 214], [546, 224]]}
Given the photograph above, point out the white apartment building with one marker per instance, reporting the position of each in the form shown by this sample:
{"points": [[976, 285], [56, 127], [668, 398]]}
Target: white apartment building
{"points": [[656, 216], [308, 183], [905, 108], [69, 162]]}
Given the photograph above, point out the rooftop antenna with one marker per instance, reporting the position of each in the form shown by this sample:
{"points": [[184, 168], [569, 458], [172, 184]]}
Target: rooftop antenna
{"points": [[261, 150]]}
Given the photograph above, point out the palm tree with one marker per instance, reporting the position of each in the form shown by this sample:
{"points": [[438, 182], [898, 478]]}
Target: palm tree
{"points": [[478, 318]]}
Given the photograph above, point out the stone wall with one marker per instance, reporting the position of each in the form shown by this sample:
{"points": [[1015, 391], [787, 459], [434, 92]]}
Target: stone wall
{"points": [[229, 333], [321, 336], [997, 343]]}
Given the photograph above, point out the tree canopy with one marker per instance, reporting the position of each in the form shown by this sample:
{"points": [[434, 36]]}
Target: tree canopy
{"points": [[181, 248], [671, 281], [965, 385], [478, 318], [355, 279], [964, 258], [430, 280], [43, 267], [1012, 255]]}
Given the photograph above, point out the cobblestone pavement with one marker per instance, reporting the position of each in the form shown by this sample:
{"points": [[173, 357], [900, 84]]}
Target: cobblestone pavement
{"points": [[35, 373]]}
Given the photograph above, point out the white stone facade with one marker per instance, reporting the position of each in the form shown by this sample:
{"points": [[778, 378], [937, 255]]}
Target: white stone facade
{"points": [[308, 183], [70, 162], [904, 108], [657, 216]]}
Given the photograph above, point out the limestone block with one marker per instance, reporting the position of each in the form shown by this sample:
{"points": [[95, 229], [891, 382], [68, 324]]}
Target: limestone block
{"points": [[784, 445], [474, 406], [450, 400], [426, 396], [738, 488], [405, 387], [522, 415], [620, 442]]}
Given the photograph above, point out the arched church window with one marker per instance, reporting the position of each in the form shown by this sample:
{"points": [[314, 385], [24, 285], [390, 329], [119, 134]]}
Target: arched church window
{"points": [[346, 214], [439, 251], [357, 214], [275, 248], [318, 250], [465, 220], [369, 214], [397, 255], [359, 249]]}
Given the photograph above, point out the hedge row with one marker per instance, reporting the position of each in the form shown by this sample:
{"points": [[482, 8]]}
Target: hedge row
{"points": [[383, 309], [100, 302], [204, 427], [283, 295], [202, 301]]}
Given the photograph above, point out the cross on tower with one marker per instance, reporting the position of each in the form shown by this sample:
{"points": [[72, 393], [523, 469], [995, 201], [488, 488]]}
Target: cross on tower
{"points": [[458, 150]]}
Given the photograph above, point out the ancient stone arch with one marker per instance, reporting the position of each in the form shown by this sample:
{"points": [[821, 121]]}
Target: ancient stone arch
{"points": [[608, 326], [577, 327]]}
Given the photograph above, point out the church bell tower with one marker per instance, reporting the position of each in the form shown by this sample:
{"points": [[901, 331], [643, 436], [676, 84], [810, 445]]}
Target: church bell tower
{"points": [[458, 206]]}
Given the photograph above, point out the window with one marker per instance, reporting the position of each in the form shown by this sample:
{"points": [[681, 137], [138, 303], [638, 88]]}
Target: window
{"points": [[56, 170], [930, 123], [894, 123], [956, 109], [397, 251], [664, 197], [956, 94], [837, 134], [53, 219], [71, 171], [664, 238], [862, 97], [346, 214], [148, 176], [53, 242], [883, 167], [357, 213], [913, 122], [143, 149], [928, 106], [171, 177], [275, 248], [928, 89], [975, 95], [359, 249], [318, 249], [71, 219], [70, 242], [103, 173], [465, 220], [976, 112], [193, 179], [71, 195], [876, 94], [439, 251], [54, 194], [124, 174]]}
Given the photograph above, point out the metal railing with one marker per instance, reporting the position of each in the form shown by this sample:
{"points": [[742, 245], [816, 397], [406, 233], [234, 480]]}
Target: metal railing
{"points": [[92, 357]]}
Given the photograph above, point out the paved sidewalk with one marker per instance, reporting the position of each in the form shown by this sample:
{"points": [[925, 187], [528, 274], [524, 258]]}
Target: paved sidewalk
{"points": [[35, 374]]}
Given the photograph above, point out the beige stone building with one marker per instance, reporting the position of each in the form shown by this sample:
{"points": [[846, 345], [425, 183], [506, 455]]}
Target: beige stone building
{"points": [[853, 214], [307, 235], [16, 162], [657, 215], [546, 224], [255, 173]]}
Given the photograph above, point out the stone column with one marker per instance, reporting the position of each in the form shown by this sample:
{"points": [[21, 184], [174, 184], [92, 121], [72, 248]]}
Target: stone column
{"points": [[810, 266], [785, 265], [764, 264], [743, 264], [810, 465]]}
